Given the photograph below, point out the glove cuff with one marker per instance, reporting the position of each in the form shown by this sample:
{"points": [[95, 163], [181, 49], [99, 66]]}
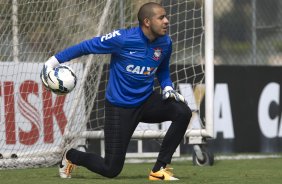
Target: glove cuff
{"points": [[52, 62], [168, 88]]}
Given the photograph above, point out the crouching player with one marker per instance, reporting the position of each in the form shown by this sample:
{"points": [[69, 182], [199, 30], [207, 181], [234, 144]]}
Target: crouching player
{"points": [[137, 55]]}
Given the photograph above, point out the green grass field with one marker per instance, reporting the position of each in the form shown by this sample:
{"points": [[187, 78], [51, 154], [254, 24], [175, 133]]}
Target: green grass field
{"points": [[256, 171]]}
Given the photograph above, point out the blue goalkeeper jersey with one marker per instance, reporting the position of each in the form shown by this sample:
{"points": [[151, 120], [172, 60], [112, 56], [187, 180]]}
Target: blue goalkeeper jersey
{"points": [[134, 63]]}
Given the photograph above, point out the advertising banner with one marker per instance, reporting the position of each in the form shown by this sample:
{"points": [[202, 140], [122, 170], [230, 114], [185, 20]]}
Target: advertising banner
{"points": [[247, 109], [32, 118]]}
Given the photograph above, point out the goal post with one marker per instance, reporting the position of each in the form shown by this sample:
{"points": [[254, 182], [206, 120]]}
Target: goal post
{"points": [[36, 125], [209, 71]]}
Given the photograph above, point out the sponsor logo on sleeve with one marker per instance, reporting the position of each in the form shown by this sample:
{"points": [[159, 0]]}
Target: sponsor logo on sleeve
{"points": [[110, 35]]}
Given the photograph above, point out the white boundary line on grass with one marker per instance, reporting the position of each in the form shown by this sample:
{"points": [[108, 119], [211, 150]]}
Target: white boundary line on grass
{"points": [[220, 157]]}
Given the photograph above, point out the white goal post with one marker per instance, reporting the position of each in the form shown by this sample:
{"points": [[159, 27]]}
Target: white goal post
{"points": [[36, 125]]}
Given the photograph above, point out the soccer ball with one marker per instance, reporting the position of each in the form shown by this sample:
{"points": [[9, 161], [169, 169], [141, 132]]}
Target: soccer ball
{"points": [[61, 80]]}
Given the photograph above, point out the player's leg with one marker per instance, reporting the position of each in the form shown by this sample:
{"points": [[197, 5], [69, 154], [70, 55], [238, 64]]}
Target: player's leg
{"points": [[157, 110], [120, 124]]}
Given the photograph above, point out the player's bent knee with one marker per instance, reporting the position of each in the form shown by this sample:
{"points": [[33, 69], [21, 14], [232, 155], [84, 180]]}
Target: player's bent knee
{"points": [[113, 173], [184, 112], [189, 112]]}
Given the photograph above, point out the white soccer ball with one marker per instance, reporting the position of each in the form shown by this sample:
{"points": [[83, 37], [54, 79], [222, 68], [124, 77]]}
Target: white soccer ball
{"points": [[62, 80]]}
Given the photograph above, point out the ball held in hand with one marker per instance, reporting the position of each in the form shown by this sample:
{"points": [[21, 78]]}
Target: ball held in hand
{"points": [[61, 80]]}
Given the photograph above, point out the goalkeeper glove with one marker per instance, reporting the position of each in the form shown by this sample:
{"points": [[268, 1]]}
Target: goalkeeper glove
{"points": [[169, 92], [49, 65]]}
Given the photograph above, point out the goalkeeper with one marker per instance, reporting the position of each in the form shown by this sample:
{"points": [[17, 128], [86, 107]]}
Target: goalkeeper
{"points": [[137, 55]]}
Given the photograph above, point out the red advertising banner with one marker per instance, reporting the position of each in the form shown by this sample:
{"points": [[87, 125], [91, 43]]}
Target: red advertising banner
{"points": [[32, 118]]}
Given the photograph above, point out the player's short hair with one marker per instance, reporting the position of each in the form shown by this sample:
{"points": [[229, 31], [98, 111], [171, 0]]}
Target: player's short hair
{"points": [[146, 11]]}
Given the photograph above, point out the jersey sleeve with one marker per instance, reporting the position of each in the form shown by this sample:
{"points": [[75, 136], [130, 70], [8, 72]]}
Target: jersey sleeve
{"points": [[163, 73], [107, 44]]}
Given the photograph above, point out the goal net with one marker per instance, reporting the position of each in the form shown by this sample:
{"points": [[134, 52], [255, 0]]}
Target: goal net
{"points": [[36, 124]]}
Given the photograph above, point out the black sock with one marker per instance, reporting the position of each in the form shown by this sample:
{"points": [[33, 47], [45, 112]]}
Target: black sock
{"points": [[158, 166]]}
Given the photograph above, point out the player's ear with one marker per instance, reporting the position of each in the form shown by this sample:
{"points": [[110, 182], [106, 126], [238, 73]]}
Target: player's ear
{"points": [[146, 22]]}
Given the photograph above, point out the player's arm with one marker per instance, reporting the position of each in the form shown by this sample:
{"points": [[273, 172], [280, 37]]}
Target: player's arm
{"points": [[109, 44], [163, 75], [96, 45]]}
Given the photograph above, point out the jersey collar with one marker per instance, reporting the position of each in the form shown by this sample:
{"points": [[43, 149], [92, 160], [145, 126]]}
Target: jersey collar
{"points": [[143, 36]]}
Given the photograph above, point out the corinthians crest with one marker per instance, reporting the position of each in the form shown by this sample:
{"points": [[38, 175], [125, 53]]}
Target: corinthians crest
{"points": [[157, 54]]}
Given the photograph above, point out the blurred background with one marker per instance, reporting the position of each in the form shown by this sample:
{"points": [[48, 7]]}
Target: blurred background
{"points": [[248, 32]]}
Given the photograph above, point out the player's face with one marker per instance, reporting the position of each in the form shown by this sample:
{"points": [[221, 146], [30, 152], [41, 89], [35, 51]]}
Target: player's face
{"points": [[159, 22]]}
